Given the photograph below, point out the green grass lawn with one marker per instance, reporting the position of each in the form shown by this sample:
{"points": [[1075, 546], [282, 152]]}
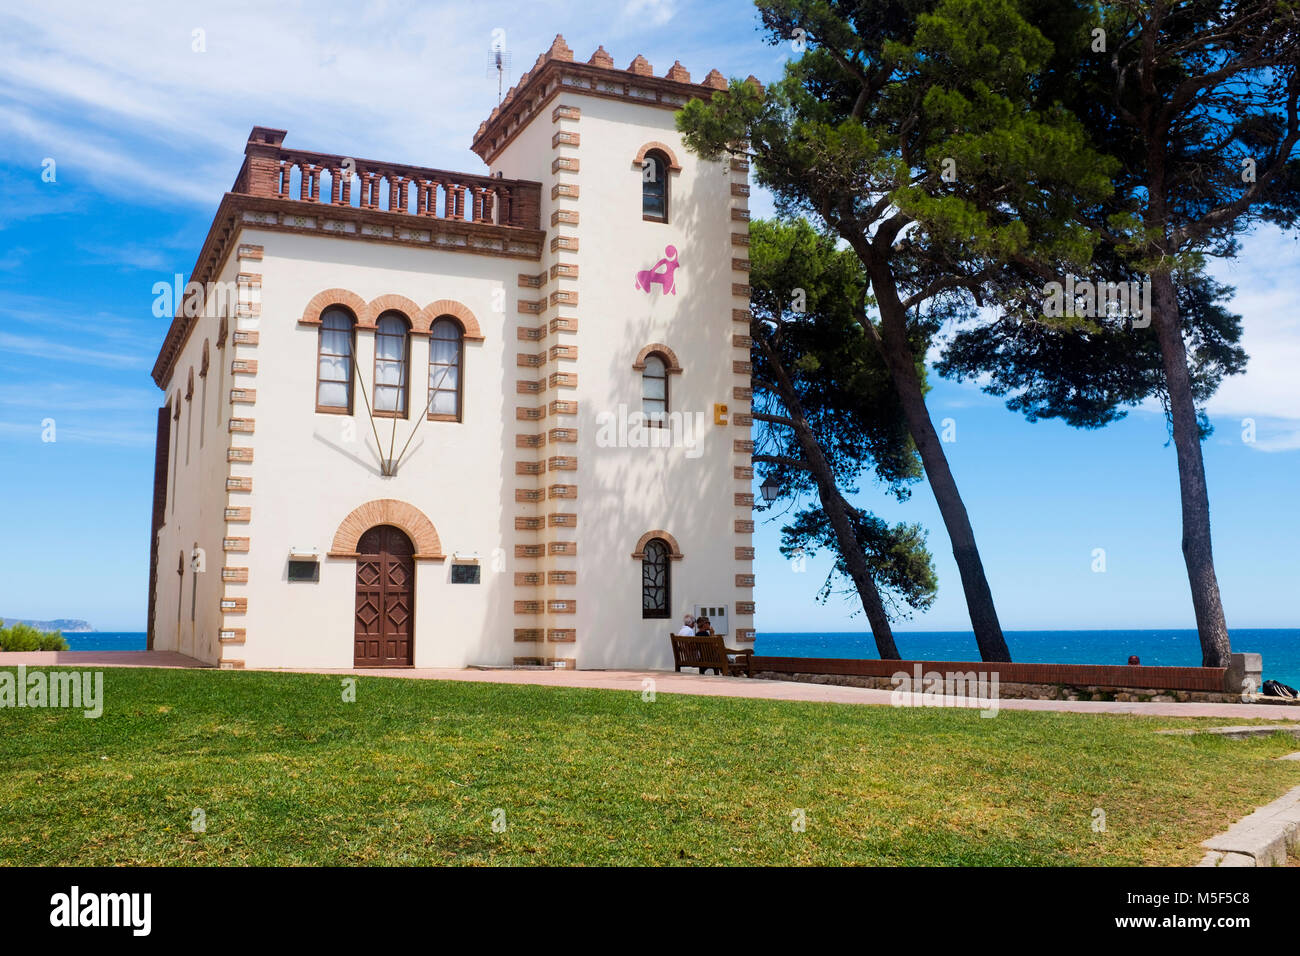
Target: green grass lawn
{"points": [[411, 773]]}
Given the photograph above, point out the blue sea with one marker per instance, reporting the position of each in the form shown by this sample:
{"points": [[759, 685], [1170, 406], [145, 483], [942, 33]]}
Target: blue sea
{"points": [[106, 640], [1279, 646]]}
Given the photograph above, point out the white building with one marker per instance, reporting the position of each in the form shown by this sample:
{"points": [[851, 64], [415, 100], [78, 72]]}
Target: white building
{"points": [[396, 422]]}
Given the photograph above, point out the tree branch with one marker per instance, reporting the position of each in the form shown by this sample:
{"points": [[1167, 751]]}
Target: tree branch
{"points": [[772, 419], [784, 461], [1230, 211]]}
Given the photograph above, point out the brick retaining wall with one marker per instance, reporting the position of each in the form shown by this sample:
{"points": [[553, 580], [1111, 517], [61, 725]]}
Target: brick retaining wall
{"points": [[1020, 680]]}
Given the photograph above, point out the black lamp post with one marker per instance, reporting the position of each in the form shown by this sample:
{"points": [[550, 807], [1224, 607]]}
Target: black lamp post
{"points": [[770, 488]]}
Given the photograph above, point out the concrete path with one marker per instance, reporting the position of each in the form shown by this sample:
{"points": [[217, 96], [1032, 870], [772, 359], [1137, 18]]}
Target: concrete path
{"points": [[97, 659], [1264, 838], [665, 682], [670, 682]]}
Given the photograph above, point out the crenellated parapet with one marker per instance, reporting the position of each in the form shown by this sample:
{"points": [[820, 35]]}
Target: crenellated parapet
{"points": [[556, 70]]}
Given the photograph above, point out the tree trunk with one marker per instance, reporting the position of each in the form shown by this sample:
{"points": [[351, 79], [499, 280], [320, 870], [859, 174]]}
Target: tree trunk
{"points": [[834, 506], [897, 350], [855, 560], [1197, 550]]}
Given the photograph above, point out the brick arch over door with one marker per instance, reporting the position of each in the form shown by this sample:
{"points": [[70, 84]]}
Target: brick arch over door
{"points": [[399, 514], [674, 552], [349, 300], [457, 311]]}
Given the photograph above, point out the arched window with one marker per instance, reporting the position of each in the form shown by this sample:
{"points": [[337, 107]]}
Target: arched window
{"points": [[334, 363], [654, 187], [392, 358], [189, 414], [656, 594], [180, 595], [176, 424], [654, 391], [203, 408], [445, 356], [222, 331]]}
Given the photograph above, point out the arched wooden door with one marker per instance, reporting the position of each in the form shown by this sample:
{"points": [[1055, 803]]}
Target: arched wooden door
{"points": [[385, 618]]}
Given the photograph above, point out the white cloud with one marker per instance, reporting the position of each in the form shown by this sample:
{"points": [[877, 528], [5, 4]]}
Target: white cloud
{"points": [[58, 397], [94, 436], [54, 350], [653, 13], [1265, 275], [110, 165], [131, 254], [121, 99], [129, 105], [1268, 392], [48, 314], [29, 198], [1285, 441]]}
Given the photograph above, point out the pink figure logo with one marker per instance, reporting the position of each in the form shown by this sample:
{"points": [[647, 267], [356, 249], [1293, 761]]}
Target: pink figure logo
{"points": [[648, 277]]}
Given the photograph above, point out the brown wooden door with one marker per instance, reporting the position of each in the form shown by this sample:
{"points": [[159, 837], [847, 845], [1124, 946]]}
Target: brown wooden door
{"points": [[385, 618]]}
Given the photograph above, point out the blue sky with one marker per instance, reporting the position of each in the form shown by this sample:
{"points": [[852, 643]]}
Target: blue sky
{"points": [[146, 131]]}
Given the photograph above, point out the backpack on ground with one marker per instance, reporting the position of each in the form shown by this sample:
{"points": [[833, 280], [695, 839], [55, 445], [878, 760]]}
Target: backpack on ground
{"points": [[1274, 688]]}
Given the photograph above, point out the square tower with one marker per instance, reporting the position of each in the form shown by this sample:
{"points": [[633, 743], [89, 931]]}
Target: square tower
{"points": [[644, 289]]}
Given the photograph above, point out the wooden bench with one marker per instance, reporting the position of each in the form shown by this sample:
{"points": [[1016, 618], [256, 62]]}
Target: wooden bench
{"points": [[708, 652]]}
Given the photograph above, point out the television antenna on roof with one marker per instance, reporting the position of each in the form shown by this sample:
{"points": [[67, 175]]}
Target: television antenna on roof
{"points": [[499, 60]]}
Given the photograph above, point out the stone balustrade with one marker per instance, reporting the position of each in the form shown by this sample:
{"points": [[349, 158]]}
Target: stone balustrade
{"points": [[272, 171]]}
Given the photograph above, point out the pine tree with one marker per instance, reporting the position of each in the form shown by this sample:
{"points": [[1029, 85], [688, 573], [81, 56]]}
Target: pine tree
{"points": [[825, 412], [912, 131]]}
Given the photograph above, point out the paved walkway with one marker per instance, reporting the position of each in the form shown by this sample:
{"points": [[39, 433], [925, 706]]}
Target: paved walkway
{"points": [[665, 682], [97, 659], [670, 682]]}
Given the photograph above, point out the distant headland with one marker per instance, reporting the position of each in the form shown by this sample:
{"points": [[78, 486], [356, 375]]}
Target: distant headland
{"points": [[66, 625]]}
